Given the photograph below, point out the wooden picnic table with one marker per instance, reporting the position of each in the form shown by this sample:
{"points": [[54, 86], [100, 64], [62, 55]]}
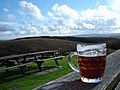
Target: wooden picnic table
{"points": [[27, 54], [72, 81], [25, 59]]}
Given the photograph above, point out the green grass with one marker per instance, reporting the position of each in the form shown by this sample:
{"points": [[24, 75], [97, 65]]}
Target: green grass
{"points": [[14, 80], [110, 50]]}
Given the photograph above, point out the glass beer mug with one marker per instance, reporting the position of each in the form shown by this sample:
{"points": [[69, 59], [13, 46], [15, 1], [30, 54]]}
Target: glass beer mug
{"points": [[91, 61]]}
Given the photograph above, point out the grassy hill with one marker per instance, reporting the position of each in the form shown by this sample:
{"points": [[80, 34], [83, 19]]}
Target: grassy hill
{"points": [[34, 44], [26, 45]]}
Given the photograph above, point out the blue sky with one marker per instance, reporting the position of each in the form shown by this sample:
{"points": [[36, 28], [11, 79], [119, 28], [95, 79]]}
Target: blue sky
{"points": [[26, 18]]}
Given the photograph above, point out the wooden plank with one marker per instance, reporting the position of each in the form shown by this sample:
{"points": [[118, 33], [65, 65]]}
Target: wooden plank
{"points": [[46, 59], [43, 52], [58, 57], [112, 72], [27, 54], [72, 80], [118, 86], [12, 56], [16, 66]]}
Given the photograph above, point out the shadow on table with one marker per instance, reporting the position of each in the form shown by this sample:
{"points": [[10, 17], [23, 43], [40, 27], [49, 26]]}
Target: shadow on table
{"points": [[74, 85]]}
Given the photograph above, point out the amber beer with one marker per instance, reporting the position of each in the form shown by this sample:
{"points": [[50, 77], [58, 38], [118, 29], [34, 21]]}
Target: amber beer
{"points": [[91, 67]]}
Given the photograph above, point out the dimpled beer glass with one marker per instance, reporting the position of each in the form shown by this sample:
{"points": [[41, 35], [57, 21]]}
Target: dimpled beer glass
{"points": [[91, 61]]}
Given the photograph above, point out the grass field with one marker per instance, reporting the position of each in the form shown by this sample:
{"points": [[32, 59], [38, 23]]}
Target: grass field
{"points": [[15, 80]]}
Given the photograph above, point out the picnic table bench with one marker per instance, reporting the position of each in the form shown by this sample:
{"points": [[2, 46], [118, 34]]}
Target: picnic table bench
{"points": [[22, 60], [71, 81]]}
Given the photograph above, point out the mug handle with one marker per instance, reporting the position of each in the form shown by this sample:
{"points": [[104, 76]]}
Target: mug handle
{"points": [[70, 61]]}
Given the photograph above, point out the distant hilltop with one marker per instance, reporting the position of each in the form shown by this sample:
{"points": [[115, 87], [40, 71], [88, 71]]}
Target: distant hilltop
{"points": [[112, 35], [90, 36], [86, 38], [64, 44]]}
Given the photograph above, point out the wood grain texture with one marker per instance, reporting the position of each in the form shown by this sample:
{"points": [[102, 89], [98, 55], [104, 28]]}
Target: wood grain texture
{"points": [[72, 80], [118, 86]]}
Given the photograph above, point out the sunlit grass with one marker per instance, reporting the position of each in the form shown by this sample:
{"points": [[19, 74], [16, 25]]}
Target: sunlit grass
{"points": [[14, 79]]}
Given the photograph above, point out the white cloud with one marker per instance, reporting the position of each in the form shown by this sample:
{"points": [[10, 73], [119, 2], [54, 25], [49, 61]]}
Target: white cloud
{"points": [[101, 12], [63, 12], [102, 20], [88, 26], [10, 17], [28, 29], [6, 31], [115, 5], [50, 14], [5, 27], [22, 30], [6, 10], [64, 20], [6, 22], [30, 10], [99, 20], [72, 24]]}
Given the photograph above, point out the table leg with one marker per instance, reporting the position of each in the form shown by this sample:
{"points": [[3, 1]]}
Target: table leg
{"points": [[22, 68], [56, 62], [39, 66], [7, 65], [53, 54], [39, 63]]}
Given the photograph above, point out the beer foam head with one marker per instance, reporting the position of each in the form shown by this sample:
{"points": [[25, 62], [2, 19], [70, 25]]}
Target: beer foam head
{"points": [[91, 50]]}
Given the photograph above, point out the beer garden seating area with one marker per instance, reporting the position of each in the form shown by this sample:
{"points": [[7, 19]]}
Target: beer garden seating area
{"points": [[57, 79], [22, 60]]}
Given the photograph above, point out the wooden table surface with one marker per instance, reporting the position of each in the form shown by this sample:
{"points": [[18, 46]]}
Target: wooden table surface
{"points": [[72, 80], [26, 54]]}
